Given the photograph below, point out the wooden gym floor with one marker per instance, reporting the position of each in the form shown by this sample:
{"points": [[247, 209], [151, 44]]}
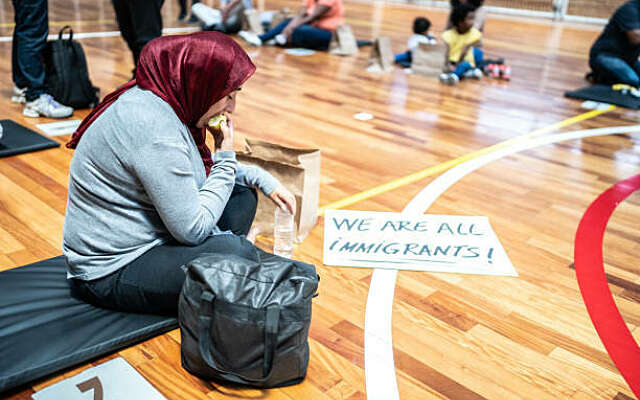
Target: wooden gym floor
{"points": [[454, 336]]}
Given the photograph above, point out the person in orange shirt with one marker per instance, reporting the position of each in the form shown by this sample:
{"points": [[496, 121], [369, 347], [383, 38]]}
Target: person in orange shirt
{"points": [[311, 28]]}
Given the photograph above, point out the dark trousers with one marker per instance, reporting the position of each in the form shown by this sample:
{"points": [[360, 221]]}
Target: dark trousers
{"points": [[29, 39], [140, 22], [306, 36], [151, 284], [610, 69], [183, 6]]}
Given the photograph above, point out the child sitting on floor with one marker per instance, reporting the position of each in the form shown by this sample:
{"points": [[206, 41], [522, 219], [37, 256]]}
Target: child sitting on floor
{"points": [[421, 34], [461, 57]]}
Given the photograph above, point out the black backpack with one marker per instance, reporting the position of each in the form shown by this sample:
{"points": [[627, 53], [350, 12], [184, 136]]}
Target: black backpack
{"points": [[247, 322], [66, 73]]}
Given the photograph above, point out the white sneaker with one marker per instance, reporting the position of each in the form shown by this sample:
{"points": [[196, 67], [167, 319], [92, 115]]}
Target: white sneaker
{"points": [[474, 73], [18, 95], [46, 106], [281, 39], [449, 79], [250, 38]]}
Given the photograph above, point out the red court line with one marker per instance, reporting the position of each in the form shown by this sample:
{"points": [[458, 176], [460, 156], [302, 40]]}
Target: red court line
{"points": [[604, 313]]}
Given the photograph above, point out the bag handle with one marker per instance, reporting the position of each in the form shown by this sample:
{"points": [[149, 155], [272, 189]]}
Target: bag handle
{"points": [[208, 353], [64, 28]]}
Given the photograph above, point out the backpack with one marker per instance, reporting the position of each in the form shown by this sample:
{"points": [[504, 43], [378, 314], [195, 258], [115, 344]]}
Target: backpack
{"points": [[67, 77], [247, 322]]}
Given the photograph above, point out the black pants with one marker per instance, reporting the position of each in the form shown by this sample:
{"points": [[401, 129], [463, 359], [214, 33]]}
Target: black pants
{"points": [[151, 284], [140, 22], [29, 39]]}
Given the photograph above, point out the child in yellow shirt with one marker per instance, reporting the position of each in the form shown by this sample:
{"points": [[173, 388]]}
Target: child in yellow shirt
{"points": [[461, 57]]}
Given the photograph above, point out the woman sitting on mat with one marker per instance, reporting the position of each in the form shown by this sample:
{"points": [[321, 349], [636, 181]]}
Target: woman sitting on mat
{"points": [[614, 55], [311, 28], [145, 194]]}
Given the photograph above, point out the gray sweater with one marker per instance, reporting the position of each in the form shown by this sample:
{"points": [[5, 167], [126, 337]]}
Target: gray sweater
{"points": [[137, 180]]}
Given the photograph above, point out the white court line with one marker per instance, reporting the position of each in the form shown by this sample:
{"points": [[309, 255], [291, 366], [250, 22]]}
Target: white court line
{"points": [[380, 375], [88, 35]]}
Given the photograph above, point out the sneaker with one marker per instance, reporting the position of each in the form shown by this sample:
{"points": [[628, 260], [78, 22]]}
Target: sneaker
{"points": [[449, 79], [505, 72], [281, 39], [18, 95], [270, 42], [474, 73], [46, 106], [250, 38], [493, 70]]}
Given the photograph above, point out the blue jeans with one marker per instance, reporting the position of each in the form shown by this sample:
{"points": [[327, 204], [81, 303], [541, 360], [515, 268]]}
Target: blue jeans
{"points": [[465, 66], [29, 39], [404, 57], [306, 36], [151, 283], [610, 68]]}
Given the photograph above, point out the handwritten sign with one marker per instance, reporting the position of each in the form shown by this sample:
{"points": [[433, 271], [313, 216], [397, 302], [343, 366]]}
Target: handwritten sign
{"points": [[439, 243], [114, 380]]}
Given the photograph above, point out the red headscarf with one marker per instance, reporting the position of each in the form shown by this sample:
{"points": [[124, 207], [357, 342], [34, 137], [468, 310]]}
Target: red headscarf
{"points": [[189, 72]]}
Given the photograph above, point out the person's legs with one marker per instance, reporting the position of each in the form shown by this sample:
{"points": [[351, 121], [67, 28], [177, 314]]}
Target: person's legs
{"points": [[612, 69], [275, 31], [147, 24], [310, 37], [636, 68], [124, 16], [240, 211], [29, 39], [183, 9], [461, 68], [403, 57], [478, 57], [152, 282]]}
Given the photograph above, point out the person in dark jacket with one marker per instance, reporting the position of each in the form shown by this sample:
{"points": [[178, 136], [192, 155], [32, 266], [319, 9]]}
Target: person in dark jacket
{"points": [[614, 55]]}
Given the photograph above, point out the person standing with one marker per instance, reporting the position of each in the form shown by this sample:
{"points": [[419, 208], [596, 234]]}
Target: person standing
{"points": [[140, 22], [27, 66]]}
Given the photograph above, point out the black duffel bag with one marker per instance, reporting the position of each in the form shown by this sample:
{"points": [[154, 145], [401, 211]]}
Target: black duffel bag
{"points": [[247, 322], [67, 75]]}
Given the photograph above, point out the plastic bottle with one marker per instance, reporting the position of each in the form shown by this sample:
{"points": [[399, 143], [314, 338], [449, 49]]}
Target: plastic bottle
{"points": [[283, 232]]}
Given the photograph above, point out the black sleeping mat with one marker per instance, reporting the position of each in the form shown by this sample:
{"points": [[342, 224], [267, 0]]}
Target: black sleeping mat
{"points": [[43, 329], [17, 139], [605, 94]]}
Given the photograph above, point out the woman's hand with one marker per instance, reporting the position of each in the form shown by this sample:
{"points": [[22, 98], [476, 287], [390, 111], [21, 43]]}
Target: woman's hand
{"points": [[284, 199], [223, 139]]}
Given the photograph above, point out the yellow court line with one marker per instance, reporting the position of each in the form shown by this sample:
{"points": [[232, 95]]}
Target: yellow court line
{"points": [[416, 176]]}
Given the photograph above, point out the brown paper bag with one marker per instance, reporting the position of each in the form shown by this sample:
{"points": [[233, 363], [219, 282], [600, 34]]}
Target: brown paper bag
{"points": [[252, 22], [298, 170], [278, 17], [343, 43], [428, 59], [381, 58]]}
